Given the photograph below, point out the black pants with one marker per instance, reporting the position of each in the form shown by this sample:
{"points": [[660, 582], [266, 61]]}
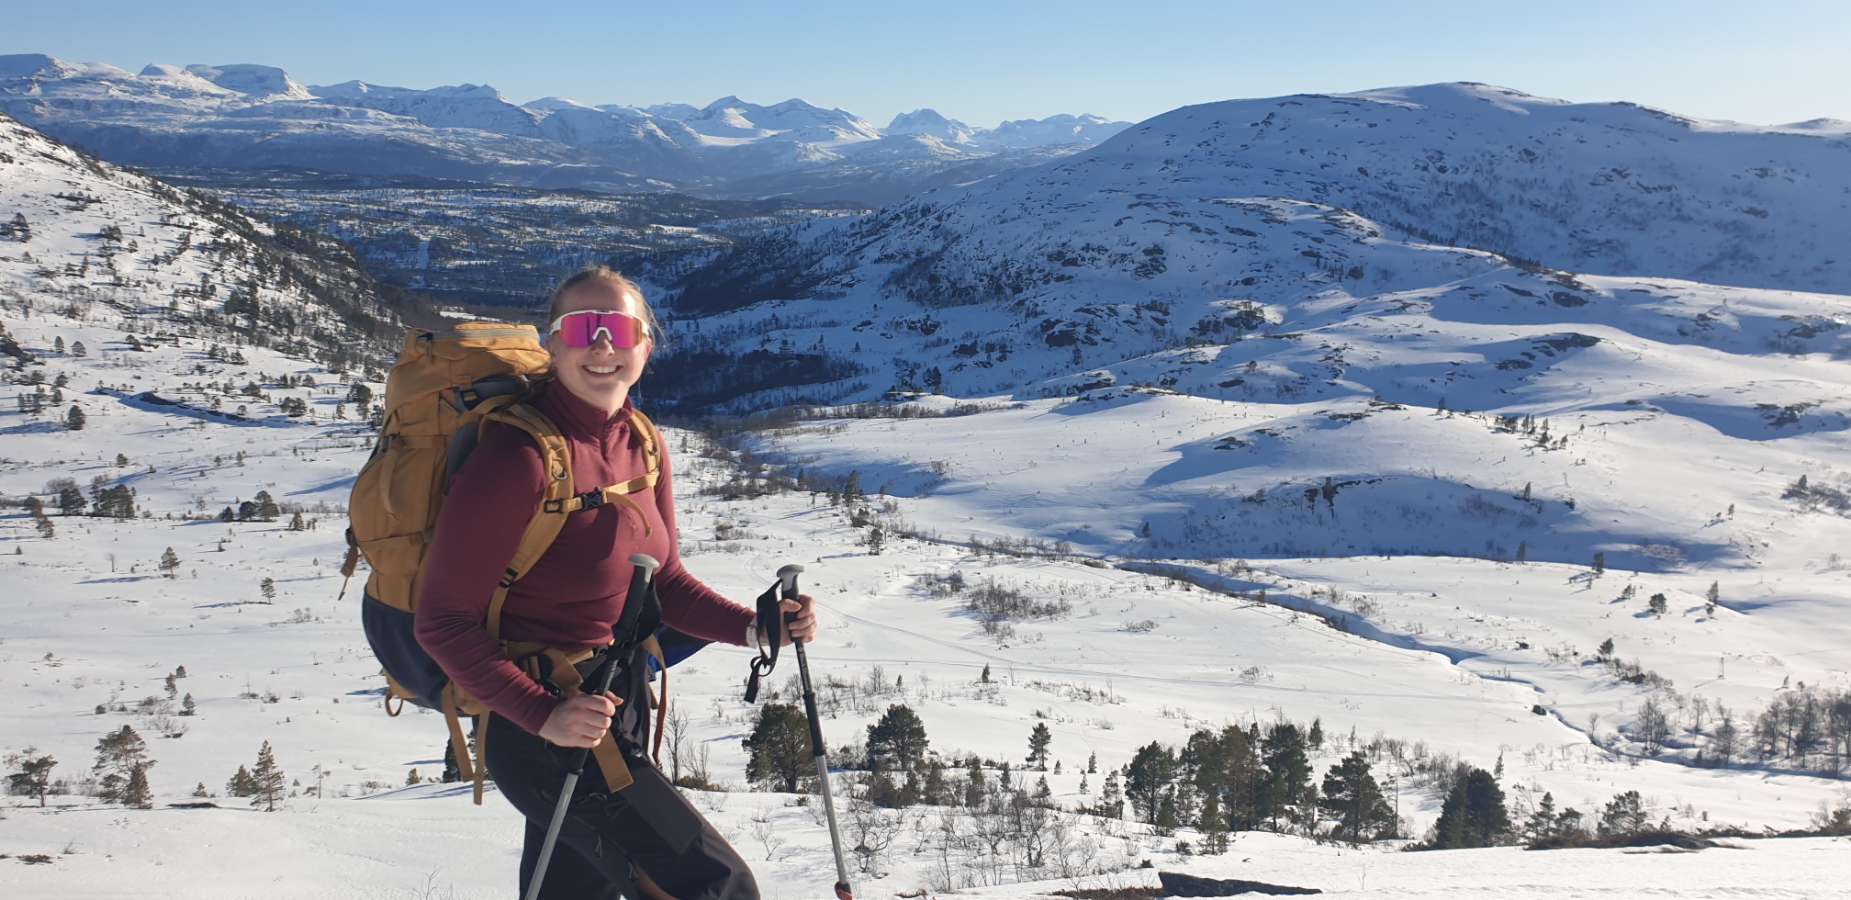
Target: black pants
{"points": [[648, 825]]}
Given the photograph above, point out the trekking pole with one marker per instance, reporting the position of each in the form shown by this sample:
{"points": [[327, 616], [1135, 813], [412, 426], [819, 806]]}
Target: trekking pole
{"points": [[787, 579], [639, 591]]}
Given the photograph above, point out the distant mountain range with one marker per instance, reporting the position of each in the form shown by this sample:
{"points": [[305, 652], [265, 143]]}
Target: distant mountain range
{"points": [[1459, 215], [254, 117]]}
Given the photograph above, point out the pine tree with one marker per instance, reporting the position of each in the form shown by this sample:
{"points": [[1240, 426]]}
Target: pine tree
{"points": [[187, 706], [1711, 598], [267, 510], [1473, 815], [1111, 799], [74, 420], [267, 780], [34, 776], [1288, 773], [296, 523], [118, 754], [1624, 814], [268, 588], [240, 784], [1038, 741], [199, 790], [1147, 778], [898, 740], [1352, 797], [778, 749], [170, 562], [1214, 826], [1542, 823], [1092, 763], [70, 498], [136, 793]]}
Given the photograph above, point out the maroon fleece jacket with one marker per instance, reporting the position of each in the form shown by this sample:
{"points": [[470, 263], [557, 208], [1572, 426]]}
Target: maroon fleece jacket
{"points": [[573, 595]]}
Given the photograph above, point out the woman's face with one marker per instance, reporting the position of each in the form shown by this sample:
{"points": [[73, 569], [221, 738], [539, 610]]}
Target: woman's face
{"points": [[600, 374]]}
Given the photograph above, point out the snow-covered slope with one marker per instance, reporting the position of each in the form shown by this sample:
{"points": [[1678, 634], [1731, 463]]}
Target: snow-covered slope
{"points": [[1257, 456], [121, 250]]}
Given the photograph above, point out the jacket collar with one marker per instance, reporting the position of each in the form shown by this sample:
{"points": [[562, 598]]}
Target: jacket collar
{"points": [[575, 416]]}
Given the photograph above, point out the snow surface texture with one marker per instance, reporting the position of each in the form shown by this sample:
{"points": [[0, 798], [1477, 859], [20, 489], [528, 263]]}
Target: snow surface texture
{"points": [[253, 116], [1393, 606]]}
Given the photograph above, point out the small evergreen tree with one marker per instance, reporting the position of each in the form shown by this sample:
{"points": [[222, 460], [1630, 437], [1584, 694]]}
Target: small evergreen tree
{"points": [[268, 588], [1542, 823], [1288, 774], [118, 754], [70, 497], [267, 780], [778, 749], [1473, 815], [1147, 778], [1658, 604], [1038, 741], [34, 776], [240, 784], [1214, 826], [170, 563], [187, 706], [267, 510], [74, 420], [1352, 797], [1623, 815], [296, 523], [136, 793], [897, 740]]}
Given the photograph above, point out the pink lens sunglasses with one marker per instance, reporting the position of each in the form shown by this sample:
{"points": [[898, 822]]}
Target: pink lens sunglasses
{"points": [[581, 329]]}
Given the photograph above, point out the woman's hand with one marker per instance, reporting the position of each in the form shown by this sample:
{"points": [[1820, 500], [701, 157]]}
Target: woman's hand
{"points": [[581, 720], [803, 625]]}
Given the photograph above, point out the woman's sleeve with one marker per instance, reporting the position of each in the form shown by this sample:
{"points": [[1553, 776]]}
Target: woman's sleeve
{"points": [[688, 603], [490, 501]]}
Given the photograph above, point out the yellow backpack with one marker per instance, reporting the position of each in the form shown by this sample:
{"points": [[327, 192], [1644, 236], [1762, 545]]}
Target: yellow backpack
{"points": [[443, 391]]}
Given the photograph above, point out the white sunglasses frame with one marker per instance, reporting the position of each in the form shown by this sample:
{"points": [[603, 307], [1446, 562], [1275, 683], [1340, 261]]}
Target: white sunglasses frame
{"points": [[642, 324]]}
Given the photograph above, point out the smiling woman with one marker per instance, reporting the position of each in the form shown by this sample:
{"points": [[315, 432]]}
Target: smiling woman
{"points": [[627, 831]]}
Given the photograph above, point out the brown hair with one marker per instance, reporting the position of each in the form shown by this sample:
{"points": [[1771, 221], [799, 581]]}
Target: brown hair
{"points": [[612, 277]]}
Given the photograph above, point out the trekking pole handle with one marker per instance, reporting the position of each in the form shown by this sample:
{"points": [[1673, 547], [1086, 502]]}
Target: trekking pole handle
{"points": [[640, 577], [787, 584]]}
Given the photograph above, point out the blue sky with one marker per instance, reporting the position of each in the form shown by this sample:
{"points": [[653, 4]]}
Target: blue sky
{"points": [[1762, 63]]}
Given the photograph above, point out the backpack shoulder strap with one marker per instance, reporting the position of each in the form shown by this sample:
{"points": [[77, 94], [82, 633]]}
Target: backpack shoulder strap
{"points": [[549, 517]]}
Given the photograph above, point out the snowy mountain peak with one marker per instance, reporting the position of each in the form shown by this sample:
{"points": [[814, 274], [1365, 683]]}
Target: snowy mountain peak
{"points": [[669, 110], [20, 65], [930, 122], [553, 104], [264, 82]]}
